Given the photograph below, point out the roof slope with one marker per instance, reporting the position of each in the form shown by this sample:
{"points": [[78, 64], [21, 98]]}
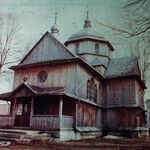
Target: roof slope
{"points": [[122, 67], [47, 49], [35, 90], [86, 33], [97, 62]]}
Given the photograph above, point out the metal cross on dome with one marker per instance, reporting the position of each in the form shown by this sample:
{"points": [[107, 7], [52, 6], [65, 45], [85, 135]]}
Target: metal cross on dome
{"points": [[55, 17]]}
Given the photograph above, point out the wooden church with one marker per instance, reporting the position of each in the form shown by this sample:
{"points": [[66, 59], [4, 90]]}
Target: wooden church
{"points": [[75, 89]]}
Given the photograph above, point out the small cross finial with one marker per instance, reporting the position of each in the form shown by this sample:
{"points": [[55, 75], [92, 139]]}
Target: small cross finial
{"points": [[54, 28], [87, 22], [87, 15], [55, 17]]}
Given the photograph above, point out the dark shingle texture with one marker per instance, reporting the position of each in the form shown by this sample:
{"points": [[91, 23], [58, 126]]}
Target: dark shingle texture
{"points": [[122, 66]]}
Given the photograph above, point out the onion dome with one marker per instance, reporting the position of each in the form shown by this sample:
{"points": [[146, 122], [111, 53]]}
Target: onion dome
{"points": [[86, 32], [54, 28]]}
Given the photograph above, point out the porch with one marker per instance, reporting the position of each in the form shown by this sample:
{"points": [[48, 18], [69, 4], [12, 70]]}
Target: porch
{"points": [[38, 111], [41, 122]]}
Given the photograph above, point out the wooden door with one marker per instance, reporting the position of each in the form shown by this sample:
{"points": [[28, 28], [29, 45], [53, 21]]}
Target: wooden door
{"points": [[23, 110]]}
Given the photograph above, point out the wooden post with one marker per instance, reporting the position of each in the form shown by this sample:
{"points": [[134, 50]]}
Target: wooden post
{"points": [[98, 119], [75, 115], [60, 111], [14, 110], [32, 110], [148, 124], [138, 125], [148, 118]]}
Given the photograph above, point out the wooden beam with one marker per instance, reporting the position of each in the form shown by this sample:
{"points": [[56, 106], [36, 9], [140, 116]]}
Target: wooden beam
{"points": [[32, 109], [60, 110], [14, 110], [76, 115]]}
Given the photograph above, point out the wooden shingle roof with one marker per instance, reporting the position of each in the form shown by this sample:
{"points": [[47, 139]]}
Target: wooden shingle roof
{"points": [[122, 66]]}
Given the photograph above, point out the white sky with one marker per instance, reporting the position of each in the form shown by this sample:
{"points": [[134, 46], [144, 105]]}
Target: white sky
{"points": [[37, 16]]}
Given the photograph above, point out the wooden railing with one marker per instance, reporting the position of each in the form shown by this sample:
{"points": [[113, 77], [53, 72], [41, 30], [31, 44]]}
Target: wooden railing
{"points": [[44, 122], [67, 121], [51, 122], [6, 120], [40, 121]]}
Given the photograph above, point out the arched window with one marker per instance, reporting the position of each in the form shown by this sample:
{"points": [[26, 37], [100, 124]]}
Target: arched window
{"points": [[96, 48], [77, 48], [91, 90]]}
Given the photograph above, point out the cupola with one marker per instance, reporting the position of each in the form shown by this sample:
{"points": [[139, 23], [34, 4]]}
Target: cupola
{"points": [[54, 28], [90, 45]]}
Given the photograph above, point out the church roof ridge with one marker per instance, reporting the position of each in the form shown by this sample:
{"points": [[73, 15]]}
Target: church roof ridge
{"points": [[70, 54]]}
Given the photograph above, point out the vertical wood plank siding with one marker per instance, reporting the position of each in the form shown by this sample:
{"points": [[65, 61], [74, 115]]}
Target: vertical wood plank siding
{"points": [[81, 84], [48, 49], [44, 122], [6, 121], [51, 122], [58, 76], [121, 92], [86, 115], [139, 94], [71, 76], [123, 118]]}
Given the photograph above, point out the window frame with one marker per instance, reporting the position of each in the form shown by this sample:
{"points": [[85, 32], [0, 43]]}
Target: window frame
{"points": [[96, 48], [91, 90]]}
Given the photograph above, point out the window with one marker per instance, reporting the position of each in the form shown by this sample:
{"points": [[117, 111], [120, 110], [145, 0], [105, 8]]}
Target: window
{"points": [[77, 48], [97, 48], [42, 76], [91, 90]]}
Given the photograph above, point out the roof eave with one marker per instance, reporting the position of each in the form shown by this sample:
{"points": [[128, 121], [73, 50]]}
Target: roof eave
{"points": [[131, 76], [58, 61], [5, 96], [53, 62], [91, 39]]}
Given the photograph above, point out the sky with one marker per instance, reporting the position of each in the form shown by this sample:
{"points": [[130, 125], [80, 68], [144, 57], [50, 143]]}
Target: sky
{"points": [[35, 17]]}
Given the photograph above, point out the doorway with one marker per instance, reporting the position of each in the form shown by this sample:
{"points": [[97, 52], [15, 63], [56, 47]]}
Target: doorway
{"points": [[22, 113]]}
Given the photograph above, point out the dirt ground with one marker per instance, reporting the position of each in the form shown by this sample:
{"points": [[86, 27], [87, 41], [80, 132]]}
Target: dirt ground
{"points": [[88, 144]]}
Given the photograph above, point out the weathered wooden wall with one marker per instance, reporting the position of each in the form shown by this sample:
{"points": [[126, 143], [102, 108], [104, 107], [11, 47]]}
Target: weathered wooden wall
{"points": [[86, 115], [6, 121], [4, 109], [70, 76], [81, 84], [58, 76], [45, 122], [123, 118], [22, 92], [89, 47], [48, 49], [120, 92], [139, 94], [51, 122]]}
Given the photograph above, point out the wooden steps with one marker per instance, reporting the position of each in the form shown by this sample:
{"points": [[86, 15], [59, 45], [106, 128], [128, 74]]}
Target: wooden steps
{"points": [[12, 135], [19, 135]]}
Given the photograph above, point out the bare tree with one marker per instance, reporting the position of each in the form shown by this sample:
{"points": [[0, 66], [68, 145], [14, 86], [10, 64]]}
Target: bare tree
{"points": [[137, 12], [9, 41], [136, 27]]}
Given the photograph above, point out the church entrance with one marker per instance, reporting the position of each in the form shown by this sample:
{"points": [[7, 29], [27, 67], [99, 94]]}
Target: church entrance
{"points": [[22, 113]]}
